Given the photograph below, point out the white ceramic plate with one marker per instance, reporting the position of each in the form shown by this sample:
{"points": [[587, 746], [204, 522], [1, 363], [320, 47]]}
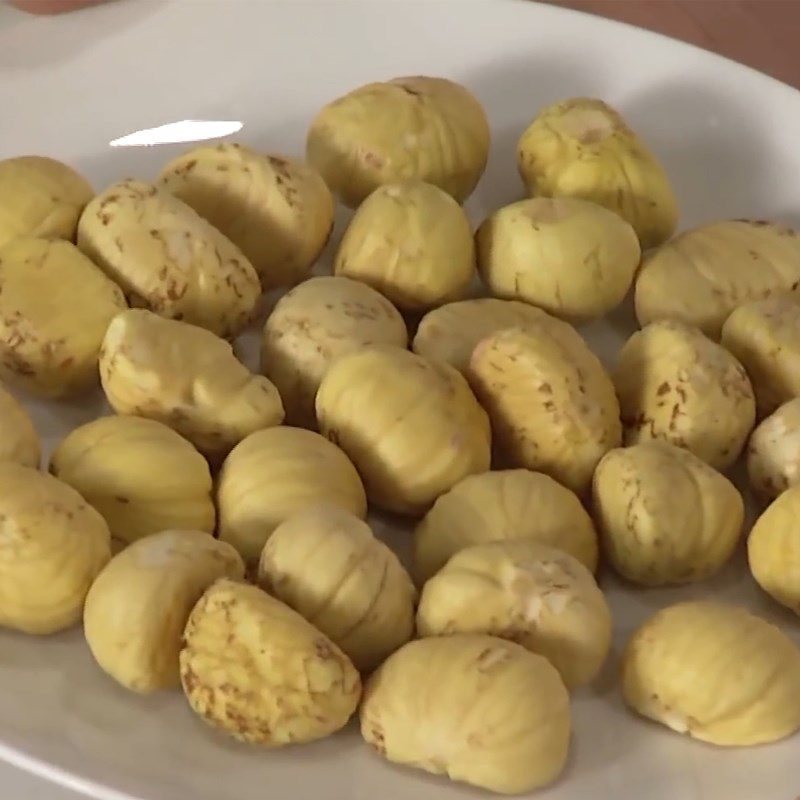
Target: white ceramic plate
{"points": [[68, 86]]}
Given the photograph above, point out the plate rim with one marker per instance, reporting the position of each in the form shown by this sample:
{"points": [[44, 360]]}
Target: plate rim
{"points": [[20, 758]]}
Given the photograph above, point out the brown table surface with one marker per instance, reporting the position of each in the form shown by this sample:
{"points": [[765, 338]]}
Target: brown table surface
{"points": [[764, 34]]}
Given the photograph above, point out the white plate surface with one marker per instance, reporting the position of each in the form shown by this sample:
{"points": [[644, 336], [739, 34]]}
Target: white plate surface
{"points": [[729, 138]]}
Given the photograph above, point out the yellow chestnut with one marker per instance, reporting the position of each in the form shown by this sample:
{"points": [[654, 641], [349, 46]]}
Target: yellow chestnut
{"points": [[255, 669], [701, 276], [411, 426], [665, 516], [52, 546], [773, 453], [412, 242], [572, 258], [537, 596], [187, 378], [138, 606], [19, 441], [765, 336], [326, 564], [551, 403], [499, 506], [773, 549], [169, 259], [475, 708], [430, 129], [277, 210], [676, 385], [584, 148], [40, 197], [714, 672], [139, 474], [55, 306]]}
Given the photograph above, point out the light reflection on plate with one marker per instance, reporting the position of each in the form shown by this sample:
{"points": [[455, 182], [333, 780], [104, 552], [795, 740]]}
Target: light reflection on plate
{"points": [[186, 130]]}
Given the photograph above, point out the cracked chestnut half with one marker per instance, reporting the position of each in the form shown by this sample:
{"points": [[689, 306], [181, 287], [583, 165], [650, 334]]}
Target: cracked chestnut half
{"points": [[503, 505], [773, 453], [411, 426], [451, 332], [40, 197], [19, 441], [277, 210], [169, 259], [430, 129], [572, 258], [475, 708], [55, 306], [765, 336], [276, 473], [701, 276], [326, 564], [537, 596], [714, 672], [551, 403], [255, 669], [665, 516], [187, 378], [139, 474], [676, 385], [412, 242], [315, 323], [52, 546], [137, 607], [583, 148], [773, 549]]}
